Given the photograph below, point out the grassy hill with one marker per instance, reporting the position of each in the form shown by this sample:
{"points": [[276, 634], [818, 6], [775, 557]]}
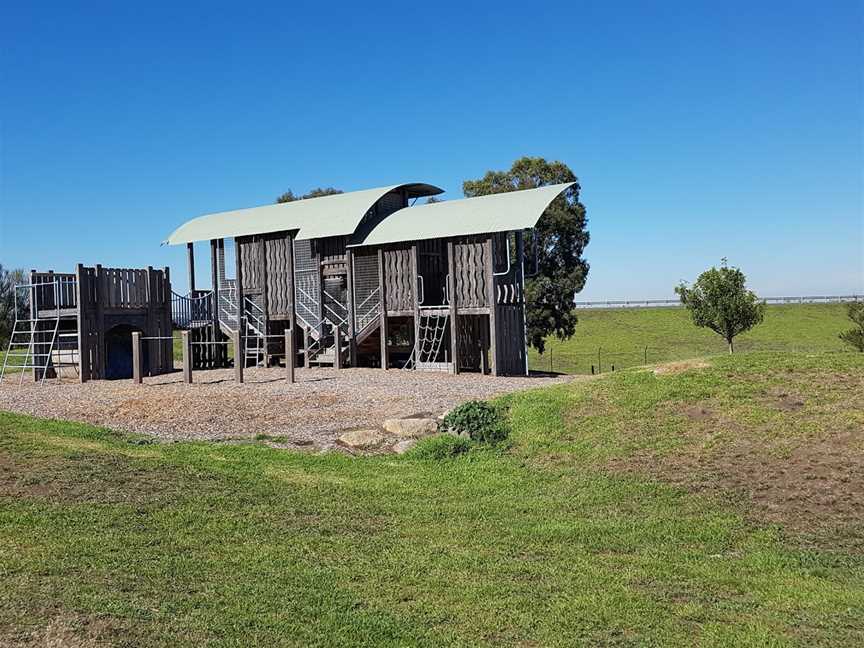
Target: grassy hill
{"points": [[622, 335], [714, 503]]}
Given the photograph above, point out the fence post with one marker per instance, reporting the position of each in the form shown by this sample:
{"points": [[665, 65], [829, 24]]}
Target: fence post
{"points": [[187, 358], [646, 355], [239, 356], [337, 348], [290, 355], [599, 366], [136, 357]]}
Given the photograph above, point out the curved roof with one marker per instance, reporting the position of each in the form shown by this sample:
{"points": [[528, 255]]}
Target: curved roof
{"points": [[502, 212], [335, 215]]}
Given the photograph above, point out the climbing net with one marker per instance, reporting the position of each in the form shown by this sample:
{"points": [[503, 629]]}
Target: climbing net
{"points": [[430, 336]]}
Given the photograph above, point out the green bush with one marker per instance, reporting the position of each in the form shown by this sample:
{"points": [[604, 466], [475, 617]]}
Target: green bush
{"points": [[440, 447], [480, 420]]}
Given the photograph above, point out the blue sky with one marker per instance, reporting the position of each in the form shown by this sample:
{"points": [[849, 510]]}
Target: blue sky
{"points": [[698, 130]]}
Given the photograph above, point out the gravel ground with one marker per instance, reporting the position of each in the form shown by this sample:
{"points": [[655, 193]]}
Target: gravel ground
{"points": [[313, 412]]}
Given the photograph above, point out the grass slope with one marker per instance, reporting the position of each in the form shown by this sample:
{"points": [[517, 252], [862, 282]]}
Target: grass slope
{"points": [[622, 335], [548, 542]]}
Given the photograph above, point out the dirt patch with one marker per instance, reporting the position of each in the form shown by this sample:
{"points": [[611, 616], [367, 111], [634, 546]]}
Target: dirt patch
{"points": [[95, 478], [786, 402], [68, 631], [815, 489], [672, 368], [698, 413]]}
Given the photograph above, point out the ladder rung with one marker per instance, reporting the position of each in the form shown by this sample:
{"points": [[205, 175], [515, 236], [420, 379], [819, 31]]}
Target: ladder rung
{"points": [[75, 335]]}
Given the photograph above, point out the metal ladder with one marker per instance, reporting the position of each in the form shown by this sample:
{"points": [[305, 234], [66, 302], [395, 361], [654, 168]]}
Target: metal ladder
{"points": [[23, 341]]}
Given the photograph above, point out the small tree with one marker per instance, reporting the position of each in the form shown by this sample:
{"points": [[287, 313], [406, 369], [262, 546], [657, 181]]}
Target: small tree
{"points": [[854, 337], [720, 301]]}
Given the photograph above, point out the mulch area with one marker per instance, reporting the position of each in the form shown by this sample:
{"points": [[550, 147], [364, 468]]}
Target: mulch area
{"points": [[310, 413]]}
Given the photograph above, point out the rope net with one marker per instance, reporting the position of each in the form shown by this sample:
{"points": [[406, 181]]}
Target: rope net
{"points": [[428, 344]]}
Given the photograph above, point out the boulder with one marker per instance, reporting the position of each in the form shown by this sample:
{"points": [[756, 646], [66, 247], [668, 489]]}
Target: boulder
{"points": [[411, 428], [362, 439], [403, 446]]}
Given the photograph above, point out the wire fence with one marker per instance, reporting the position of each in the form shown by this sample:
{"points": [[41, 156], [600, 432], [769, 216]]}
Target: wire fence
{"points": [[672, 303], [604, 360]]}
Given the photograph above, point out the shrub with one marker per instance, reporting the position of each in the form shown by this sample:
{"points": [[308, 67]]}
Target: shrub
{"points": [[854, 337], [480, 420], [440, 447]]}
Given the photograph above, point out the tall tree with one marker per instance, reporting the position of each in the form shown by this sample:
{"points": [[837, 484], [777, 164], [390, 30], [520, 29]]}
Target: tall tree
{"points": [[561, 236], [289, 196], [720, 301], [854, 337]]}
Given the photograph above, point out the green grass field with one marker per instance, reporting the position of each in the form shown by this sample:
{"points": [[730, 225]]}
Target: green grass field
{"points": [[622, 335], [576, 533]]}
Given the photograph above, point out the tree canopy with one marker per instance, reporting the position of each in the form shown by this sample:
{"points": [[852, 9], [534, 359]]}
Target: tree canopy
{"points": [[561, 239], [854, 337], [9, 300], [289, 196], [720, 301]]}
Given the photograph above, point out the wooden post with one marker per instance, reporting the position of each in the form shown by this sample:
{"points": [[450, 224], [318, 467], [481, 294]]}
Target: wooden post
{"points": [[292, 313], [352, 322], [306, 360], [239, 356], [136, 357], [493, 303], [238, 282], [187, 358], [451, 292], [337, 347], [215, 352], [101, 298], [290, 355], [484, 359], [382, 294], [265, 303], [519, 281], [190, 262], [415, 298], [82, 300]]}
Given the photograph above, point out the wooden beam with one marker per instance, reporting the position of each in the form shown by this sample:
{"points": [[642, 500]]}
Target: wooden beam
{"points": [[337, 348], [352, 322], [451, 293], [190, 262], [82, 285], [306, 360], [493, 304], [238, 282], [214, 352], [290, 355], [519, 280], [415, 298], [187, 358], [136, 358], [292, 312], [239, 356], [382, 293]]}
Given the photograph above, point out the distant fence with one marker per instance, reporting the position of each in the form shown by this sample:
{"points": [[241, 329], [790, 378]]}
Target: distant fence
{"points": [[670, 303]]}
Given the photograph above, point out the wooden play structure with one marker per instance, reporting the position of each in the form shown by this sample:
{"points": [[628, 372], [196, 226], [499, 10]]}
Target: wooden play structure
{"points": [[367, 279], [364, 278], [82, 323]]}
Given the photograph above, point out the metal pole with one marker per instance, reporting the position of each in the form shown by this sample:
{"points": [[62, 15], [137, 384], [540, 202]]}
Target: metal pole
{"points": [[290, 355], [136, 357], [187, 358]]}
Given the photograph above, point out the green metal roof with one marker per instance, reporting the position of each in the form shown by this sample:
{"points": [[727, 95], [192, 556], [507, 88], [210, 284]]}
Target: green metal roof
{"points": [[336, 215], [503, 212]]}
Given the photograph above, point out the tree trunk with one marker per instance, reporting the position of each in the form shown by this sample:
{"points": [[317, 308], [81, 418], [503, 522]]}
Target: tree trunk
{"points": [[731, 346]]}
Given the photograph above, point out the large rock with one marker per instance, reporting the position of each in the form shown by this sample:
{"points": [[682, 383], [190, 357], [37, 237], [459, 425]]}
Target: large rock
{"points": [[403, 446], [411, 428], [362, 439]]}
